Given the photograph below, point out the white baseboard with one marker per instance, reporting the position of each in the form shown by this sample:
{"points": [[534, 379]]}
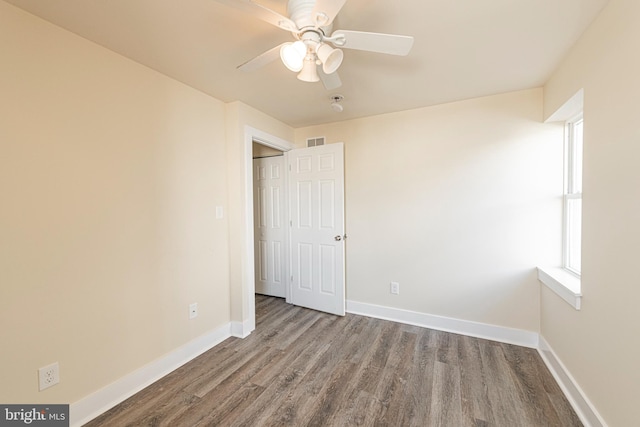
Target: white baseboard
{"points": [[106, 398], [579, 401], [241, 329], [447, 324]]}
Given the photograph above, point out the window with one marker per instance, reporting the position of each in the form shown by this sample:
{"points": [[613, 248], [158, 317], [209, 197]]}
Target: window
{"points": [[564, 279], [573, 196]]}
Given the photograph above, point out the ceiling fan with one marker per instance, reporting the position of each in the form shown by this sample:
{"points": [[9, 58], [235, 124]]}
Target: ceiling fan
{"points": [[311, 55]]}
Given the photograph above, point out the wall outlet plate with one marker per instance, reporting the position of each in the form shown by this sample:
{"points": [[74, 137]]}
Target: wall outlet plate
{"points": [[193, 310], [49, 376], [395, 288]]}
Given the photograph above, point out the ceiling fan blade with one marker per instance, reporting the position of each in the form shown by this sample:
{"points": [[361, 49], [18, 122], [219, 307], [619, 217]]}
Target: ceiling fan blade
{"points": [[261, 12], [262, 59], [329, 81], [373, 42], [325, 11]]}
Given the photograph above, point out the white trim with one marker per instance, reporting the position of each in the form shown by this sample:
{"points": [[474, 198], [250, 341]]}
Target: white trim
{"points": [[247, 261], [574, 394], [457, 326], [242, 329], [571, 158], [93, 405], [563, 283], [570, 108]]}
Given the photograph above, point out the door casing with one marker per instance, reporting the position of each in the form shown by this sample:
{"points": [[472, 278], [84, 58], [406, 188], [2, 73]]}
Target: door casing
{"points": [[248, 302]]}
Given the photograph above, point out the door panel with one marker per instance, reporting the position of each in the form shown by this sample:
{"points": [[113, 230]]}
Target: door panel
{"points": [[317, 227], [269, 226]]}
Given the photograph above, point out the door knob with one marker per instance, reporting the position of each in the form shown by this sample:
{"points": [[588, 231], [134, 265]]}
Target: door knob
{"points": [[338, 237]]}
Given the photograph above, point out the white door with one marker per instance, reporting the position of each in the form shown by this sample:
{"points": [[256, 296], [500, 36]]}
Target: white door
{"points": [[316, 196], [269, 201]]}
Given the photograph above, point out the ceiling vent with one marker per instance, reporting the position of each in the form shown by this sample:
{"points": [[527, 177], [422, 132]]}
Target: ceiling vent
{"points": [[312, 142]]}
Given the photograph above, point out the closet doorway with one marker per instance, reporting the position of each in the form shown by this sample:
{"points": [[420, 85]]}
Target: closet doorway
{"points": [[271, 240]]}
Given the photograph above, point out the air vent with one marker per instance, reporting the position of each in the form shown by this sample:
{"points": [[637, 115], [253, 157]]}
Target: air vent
{"points": [[312, 142]]}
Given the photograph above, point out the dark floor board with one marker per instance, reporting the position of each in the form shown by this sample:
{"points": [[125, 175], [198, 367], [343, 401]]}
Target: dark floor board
{"points": [[396, 375], [416, 407], [564, 410], [280, 387], [303, 402], [524, 368], [323, 327], [296, 330], [476, 407], [502, 392], [306, 368], [227, 413], [446, 407]]}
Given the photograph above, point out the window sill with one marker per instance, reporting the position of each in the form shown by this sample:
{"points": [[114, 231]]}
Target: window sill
{"points": [[563, 283]]}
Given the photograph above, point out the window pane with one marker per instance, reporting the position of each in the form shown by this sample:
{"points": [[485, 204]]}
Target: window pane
{"points": [[574, 234], [576, 186]]}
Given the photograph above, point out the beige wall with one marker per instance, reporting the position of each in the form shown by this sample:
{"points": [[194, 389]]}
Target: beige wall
{"points": [[599, 344], [109, 178], [458, 202]]}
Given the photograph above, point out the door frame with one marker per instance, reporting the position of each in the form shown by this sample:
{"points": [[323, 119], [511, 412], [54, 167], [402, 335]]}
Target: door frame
{"points": [[248, 259]]}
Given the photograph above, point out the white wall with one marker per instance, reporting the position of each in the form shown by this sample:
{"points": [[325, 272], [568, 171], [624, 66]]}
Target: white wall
{"points": [[458, 202], [599, 344], [109, 178]]}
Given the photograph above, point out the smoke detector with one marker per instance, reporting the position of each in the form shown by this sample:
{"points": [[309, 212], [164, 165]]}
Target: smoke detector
{"points": [[336, 103]]}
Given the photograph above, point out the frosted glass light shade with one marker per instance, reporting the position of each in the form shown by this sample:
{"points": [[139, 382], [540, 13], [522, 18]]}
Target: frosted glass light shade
{"points": [[331, 58], [292, 55], [309, 72]]}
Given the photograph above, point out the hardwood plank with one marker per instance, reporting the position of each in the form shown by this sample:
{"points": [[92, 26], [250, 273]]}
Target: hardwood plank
{"points": [[503, 394], [446, 408], [418, 393], [280, 387], [535, 379], [305, 368], [322, 329], [476, 406], [302, 402], [391, 389]]}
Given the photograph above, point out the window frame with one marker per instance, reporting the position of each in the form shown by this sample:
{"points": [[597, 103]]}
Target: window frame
{"points": [[572, 192]]}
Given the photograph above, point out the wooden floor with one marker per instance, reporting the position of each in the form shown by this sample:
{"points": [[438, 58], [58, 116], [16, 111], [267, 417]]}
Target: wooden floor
{"points": [[305, 368]]}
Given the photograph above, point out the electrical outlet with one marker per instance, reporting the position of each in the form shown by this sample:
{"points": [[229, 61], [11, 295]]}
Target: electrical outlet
{"points": [[193, 310], [395, 288], [49, 376]]}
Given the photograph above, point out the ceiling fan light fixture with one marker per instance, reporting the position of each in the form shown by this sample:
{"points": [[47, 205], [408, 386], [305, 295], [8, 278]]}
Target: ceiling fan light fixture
{"points": [[331, 58], [309, 71], [293, 55]]}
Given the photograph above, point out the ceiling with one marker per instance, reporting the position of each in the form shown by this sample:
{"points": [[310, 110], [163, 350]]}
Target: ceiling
{"points": [[463, 49]]}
